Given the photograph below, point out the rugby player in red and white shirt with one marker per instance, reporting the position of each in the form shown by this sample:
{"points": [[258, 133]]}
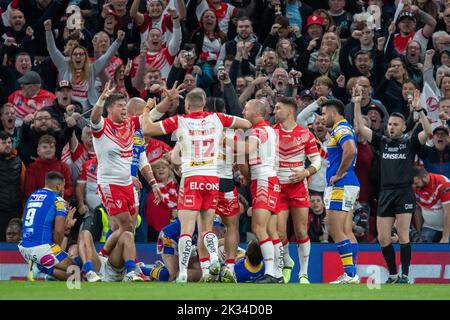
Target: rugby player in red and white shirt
{"points": [[296, 144], [265, 188], [113, 144], [161, 55], [433, 196], [199, 135]]}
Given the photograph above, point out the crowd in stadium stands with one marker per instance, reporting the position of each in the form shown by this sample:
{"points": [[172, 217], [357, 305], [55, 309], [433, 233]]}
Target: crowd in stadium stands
{"points": [[57, 55]]}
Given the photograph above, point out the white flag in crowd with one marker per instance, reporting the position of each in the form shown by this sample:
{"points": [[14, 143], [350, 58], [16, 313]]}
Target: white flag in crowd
{"points": [[430, 101]]}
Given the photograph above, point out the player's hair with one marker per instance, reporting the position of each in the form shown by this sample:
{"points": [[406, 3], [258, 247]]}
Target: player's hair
{"points": [[4, 136], [419, 171], [261, 106], [111, 100], [214, 104], [196, 98], [53, 178], [336, 104], [398, 115], [289, 101], [254, 254], [47, 139]]}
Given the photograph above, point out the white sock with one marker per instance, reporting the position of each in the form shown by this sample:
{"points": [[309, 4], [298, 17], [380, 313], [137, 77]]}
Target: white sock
{"points": [[304, 249], [229, 263], [288, 262], [204, 264], [184, 253], [212, 245], [278, 256], [268, 255]]}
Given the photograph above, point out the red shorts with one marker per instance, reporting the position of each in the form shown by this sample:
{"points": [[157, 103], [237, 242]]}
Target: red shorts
{"points": [[198, 193], [228, 203], [117, 199], [293, 195], [265, 194]]}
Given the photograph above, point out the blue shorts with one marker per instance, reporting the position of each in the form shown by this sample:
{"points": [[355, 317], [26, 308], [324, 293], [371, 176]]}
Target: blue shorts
{"points": [[166, 245]]}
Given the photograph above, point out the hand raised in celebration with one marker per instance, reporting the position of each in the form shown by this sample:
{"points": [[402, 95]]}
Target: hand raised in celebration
{"points": [[174, 93]]}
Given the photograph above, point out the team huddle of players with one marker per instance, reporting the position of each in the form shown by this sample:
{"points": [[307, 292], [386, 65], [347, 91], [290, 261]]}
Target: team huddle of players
{"points": [[270, 159]]}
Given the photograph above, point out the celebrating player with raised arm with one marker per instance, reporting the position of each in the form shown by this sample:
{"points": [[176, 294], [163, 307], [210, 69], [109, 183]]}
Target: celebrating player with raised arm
{"points": [[296, 144], [113, 144], [342, 186], [199, 135], [397, 201]]}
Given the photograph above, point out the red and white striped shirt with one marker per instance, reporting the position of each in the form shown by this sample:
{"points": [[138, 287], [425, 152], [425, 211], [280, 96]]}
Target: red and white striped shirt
{"points": [[199, 136], [21, 104], [431, 199], [89, 175], [164, 24], [263, 160], [294, 147], [161, 60], [113, 144], [223, 14]]}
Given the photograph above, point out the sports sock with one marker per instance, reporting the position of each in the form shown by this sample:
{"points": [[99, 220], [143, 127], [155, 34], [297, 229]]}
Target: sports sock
{"points": [[184, 253], [230, 264], [405, 257], [104, 252], [88, 266], [304, 249], [268, 255], [345, 251], [287, 260], [77, 261], [159, 273], [130, 265], [389, 257], [146, 270], [355, 254], [278, 256], [212, 245], [204, 265]]}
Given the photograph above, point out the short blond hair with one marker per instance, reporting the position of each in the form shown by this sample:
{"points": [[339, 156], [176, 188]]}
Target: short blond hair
{"points": [[196, 98]]}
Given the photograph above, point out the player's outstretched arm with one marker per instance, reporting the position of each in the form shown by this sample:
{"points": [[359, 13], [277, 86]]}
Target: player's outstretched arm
{"points": [[363, 130], [241, 123], [97, 110], [150, 128], [426, 133]]}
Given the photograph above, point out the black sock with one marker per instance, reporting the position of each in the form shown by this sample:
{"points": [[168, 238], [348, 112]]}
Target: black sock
{"points": [[405, 257], [389, 257]]}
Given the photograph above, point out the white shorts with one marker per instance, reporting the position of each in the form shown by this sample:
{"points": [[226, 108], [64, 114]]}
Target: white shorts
{"points": [[108, 273], [340, 198], [46, 255]]}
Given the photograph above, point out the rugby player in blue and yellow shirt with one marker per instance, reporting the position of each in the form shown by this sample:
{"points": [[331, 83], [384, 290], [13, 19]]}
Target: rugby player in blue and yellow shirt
{"points": [[342, 188]]}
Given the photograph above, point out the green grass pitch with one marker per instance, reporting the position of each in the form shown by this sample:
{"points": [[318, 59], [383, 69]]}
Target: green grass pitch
{"points": [[213, 291]]}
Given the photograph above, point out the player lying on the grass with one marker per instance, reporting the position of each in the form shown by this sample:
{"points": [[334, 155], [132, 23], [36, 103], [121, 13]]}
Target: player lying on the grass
{"points": [[46, 225], [167, 247], [248, 268], [120, 265]]}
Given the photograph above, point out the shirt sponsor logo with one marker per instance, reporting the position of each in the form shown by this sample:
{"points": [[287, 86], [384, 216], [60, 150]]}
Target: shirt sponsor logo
{"points": [[38, 197], [397, 156], [203, 186]]}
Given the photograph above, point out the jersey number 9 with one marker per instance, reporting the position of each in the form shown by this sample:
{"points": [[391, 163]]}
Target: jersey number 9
{"points": [[29, 217]]}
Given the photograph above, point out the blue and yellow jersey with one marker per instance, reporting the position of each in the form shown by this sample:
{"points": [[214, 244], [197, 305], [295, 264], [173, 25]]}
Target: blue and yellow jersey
{"points": [[41, 209], [138, 149], [173, 230], [342, 132], [246, 272]]}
